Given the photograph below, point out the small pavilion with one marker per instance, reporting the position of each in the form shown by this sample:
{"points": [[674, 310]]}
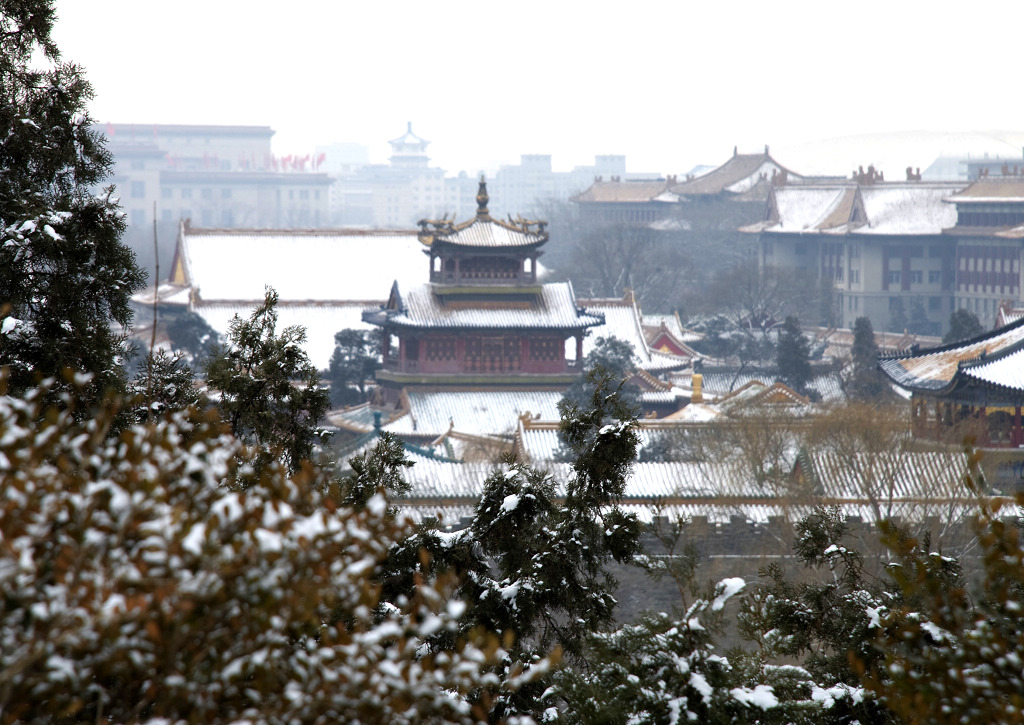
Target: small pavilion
{"points": [[484, 320], [973, 387]]}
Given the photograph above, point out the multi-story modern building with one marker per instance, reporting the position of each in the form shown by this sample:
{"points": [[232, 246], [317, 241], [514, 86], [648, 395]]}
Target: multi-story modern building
{"points": [[881, 244], [218, 176], [989, 234], [904, 254]]}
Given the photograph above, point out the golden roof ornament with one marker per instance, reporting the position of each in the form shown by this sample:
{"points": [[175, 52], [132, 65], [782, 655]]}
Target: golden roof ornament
{"points": [[482, 199]]}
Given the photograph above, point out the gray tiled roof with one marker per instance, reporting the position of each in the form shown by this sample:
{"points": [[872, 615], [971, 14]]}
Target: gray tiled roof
{"points": [[936, 369], [487, 232], [555, 308]]}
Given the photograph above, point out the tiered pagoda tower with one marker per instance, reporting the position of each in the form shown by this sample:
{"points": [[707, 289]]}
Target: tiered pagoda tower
{"points": [[484, 321]]}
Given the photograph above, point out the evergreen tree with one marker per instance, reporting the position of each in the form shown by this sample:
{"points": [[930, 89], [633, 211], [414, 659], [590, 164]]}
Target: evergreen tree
{"points": [[963, 325], [617, 359], [356, 358], [866, 381], [190, 334], [793, 356], [530, 566], [953, 653], [163, 385], [140, 586], [919, 324], [65, 276], [270, 391]]}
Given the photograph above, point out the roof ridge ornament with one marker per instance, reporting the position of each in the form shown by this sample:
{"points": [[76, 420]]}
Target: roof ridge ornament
{"points": [[482, 199]]}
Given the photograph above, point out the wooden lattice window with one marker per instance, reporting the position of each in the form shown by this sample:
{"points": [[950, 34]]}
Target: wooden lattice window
{"points": [[492, 354], [471, 362], [545, 349], [440, 348]]}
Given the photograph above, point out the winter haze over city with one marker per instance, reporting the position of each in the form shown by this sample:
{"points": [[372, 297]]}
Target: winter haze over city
{"points": [[511, 362], [670, 85]]}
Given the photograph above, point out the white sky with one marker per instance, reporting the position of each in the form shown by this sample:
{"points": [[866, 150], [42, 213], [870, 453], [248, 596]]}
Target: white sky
{"points": [[670, 84]]}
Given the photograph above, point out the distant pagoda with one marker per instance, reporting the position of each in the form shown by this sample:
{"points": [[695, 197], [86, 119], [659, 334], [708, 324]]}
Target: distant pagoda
{"points": [[484, 319]]}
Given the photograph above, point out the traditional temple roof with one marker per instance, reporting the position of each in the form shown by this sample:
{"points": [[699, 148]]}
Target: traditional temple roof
{"points": [[484, 412], [991, 190], [409, 138], [554, 308], [302, 265], [880, 208], [321, 321], [623, 320], [718, 384], [994, 358], [483, 231], [1004, 369], [626, 192], [904, 484], [738, 175]]}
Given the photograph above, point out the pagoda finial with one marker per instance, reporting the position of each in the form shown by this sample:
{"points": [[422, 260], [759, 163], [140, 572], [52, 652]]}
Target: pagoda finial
{"points": [[482, 199]]}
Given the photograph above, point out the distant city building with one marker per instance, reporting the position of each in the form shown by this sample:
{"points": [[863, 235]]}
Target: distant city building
{"points": [[905, 254], [218, 176], [881, 244], [407, 188]]}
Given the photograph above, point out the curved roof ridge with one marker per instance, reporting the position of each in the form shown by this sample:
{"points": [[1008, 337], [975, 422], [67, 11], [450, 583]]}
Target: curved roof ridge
{"points": [[985, 357], [912, 351], [521, 232]]}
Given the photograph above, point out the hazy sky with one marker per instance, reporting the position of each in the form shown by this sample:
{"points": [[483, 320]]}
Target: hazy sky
{"points": [[669, 84]]}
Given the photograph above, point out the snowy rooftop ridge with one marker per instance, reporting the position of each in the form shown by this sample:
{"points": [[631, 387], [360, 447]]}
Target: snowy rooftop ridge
{"points": [[302, 265]]}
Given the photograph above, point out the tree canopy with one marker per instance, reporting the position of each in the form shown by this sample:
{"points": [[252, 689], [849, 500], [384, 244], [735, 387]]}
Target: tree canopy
{"points": [[963, 325], [355, 359], [65, 276], [793, 355], [865, 382], [270, 392]]}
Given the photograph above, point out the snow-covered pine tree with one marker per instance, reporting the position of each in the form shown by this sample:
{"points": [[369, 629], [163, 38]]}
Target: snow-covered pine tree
{"points": [[865, 382], [65, 276], [954, 651], [356, 357], [142, 586], [793, 355], [270, 391], [532, 567]]}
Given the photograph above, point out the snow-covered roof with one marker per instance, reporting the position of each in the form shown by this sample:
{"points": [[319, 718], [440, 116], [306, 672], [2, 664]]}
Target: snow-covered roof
{"points": [[910, 485], [880, 208], [739, 174], [321, 321], [988, 358], [908, 475], [991, 190], [829, 387], [1004, 369], [320, 265], [554, 308], [175, 295], [487, 232], [541, 443], [482, 230], [624, 321], [483, 412]]}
